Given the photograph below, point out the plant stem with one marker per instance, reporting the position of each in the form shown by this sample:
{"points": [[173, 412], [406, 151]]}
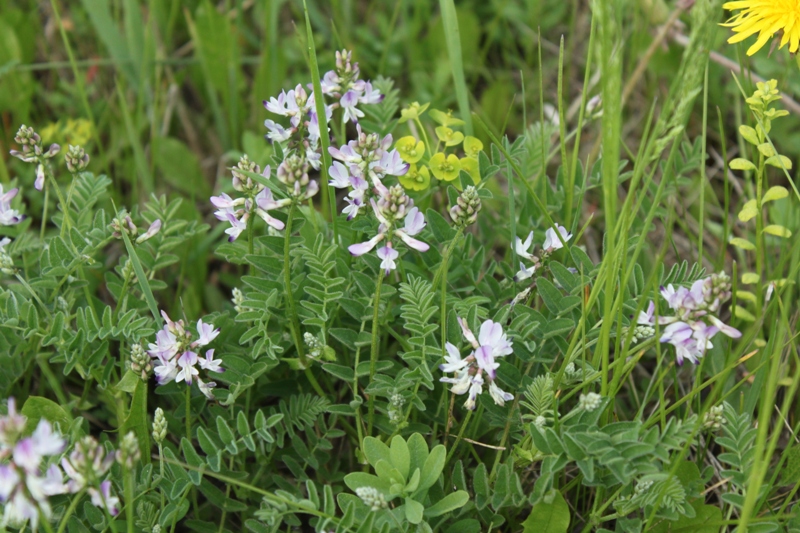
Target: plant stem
{"points": [[373, 354], [458, 437], [128, 486], [189, 413], [71, 509], [294, 324], [441, 278]]}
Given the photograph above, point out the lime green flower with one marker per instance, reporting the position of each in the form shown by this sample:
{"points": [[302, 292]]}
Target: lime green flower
{"points": [[445, 168], [411, 150], [412, 112], [471, 167], [472, 146], [445, 119], [448, 136], [416, 179]]}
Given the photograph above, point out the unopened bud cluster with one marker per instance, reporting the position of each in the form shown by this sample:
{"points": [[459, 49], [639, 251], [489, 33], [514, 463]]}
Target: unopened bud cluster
{"points": [[589, 402], [159, 426], [6, 263], [293, 172], [467, 207], [241, 181], [395, 203], [238, 300], [372, 498], [77, 159], [714, 418], [33, 152], [128, 453], [314, 345], [395, 412], [141, 364]]}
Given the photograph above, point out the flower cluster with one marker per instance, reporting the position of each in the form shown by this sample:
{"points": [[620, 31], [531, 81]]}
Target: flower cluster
{"points": [[123, 223], [33, 152], [343, 83], [694, 323], [468, 205], [364, 160], [480, 366], [25, 480], [8, 215], [86, 466], [445, 167], [175, 356], [256, 200], [552, 242], [392, 206]]}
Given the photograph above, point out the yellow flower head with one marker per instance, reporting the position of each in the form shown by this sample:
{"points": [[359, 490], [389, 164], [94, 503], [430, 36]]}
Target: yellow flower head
{"points": [[445, 168], [412, 112], [472, 146], [411, 150], [416, 179], [470, 166], [445, 119], [448, 136], [765, 18]]}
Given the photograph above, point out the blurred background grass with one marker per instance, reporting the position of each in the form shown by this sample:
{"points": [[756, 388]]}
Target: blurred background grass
{"points": [[166, 94]]}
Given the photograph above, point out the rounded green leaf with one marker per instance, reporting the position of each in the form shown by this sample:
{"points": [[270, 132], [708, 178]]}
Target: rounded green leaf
{"points": [[400, 456], [780, 161], [743, 244], [749, 278], [414, 511], [433, 467], [778, 231], [775, 193], [749, 135], [749, 211], [741, 164], [549, 515], [375, 450]]}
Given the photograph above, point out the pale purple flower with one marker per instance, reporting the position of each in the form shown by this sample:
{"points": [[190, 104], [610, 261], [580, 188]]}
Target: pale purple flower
{"points": [[151, 232], [480, 366], [349, 102], [525, 272], [388, 254], [366, 246], [187, 371], [371, 96], [39, 183], [278, 133], [211, 364], [9, 216], [392, 164], [206, 333], [552, 241], [25, 480], [103, 498], [175, 358], [523, 248], [693, 322], [340, 176], [238, 225]]}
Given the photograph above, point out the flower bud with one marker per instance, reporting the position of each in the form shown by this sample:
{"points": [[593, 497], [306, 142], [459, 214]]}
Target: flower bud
{"points": [[468, 205], [589, 402], [159, 426], [77, 159], [128, 453], [140, 362], [372, 498], [154, 228]]}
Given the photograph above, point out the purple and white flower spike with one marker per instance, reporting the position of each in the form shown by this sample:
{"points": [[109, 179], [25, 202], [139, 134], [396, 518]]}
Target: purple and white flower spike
{"points": [[480, 366], [552, 242]]}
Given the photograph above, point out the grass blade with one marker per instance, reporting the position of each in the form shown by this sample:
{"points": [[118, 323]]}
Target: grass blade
{"points": [[453, 38]]}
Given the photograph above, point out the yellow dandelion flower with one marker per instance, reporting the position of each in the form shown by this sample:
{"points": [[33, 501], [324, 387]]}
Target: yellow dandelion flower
{"points": [[765, 18]]}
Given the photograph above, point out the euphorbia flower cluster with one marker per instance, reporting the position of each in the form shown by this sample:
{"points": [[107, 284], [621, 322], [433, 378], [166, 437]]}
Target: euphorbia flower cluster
{"points": [[364, 160], [694, 323], [551, 244], [176, 358], [392, 206], [25, 481], [480, 366]]}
